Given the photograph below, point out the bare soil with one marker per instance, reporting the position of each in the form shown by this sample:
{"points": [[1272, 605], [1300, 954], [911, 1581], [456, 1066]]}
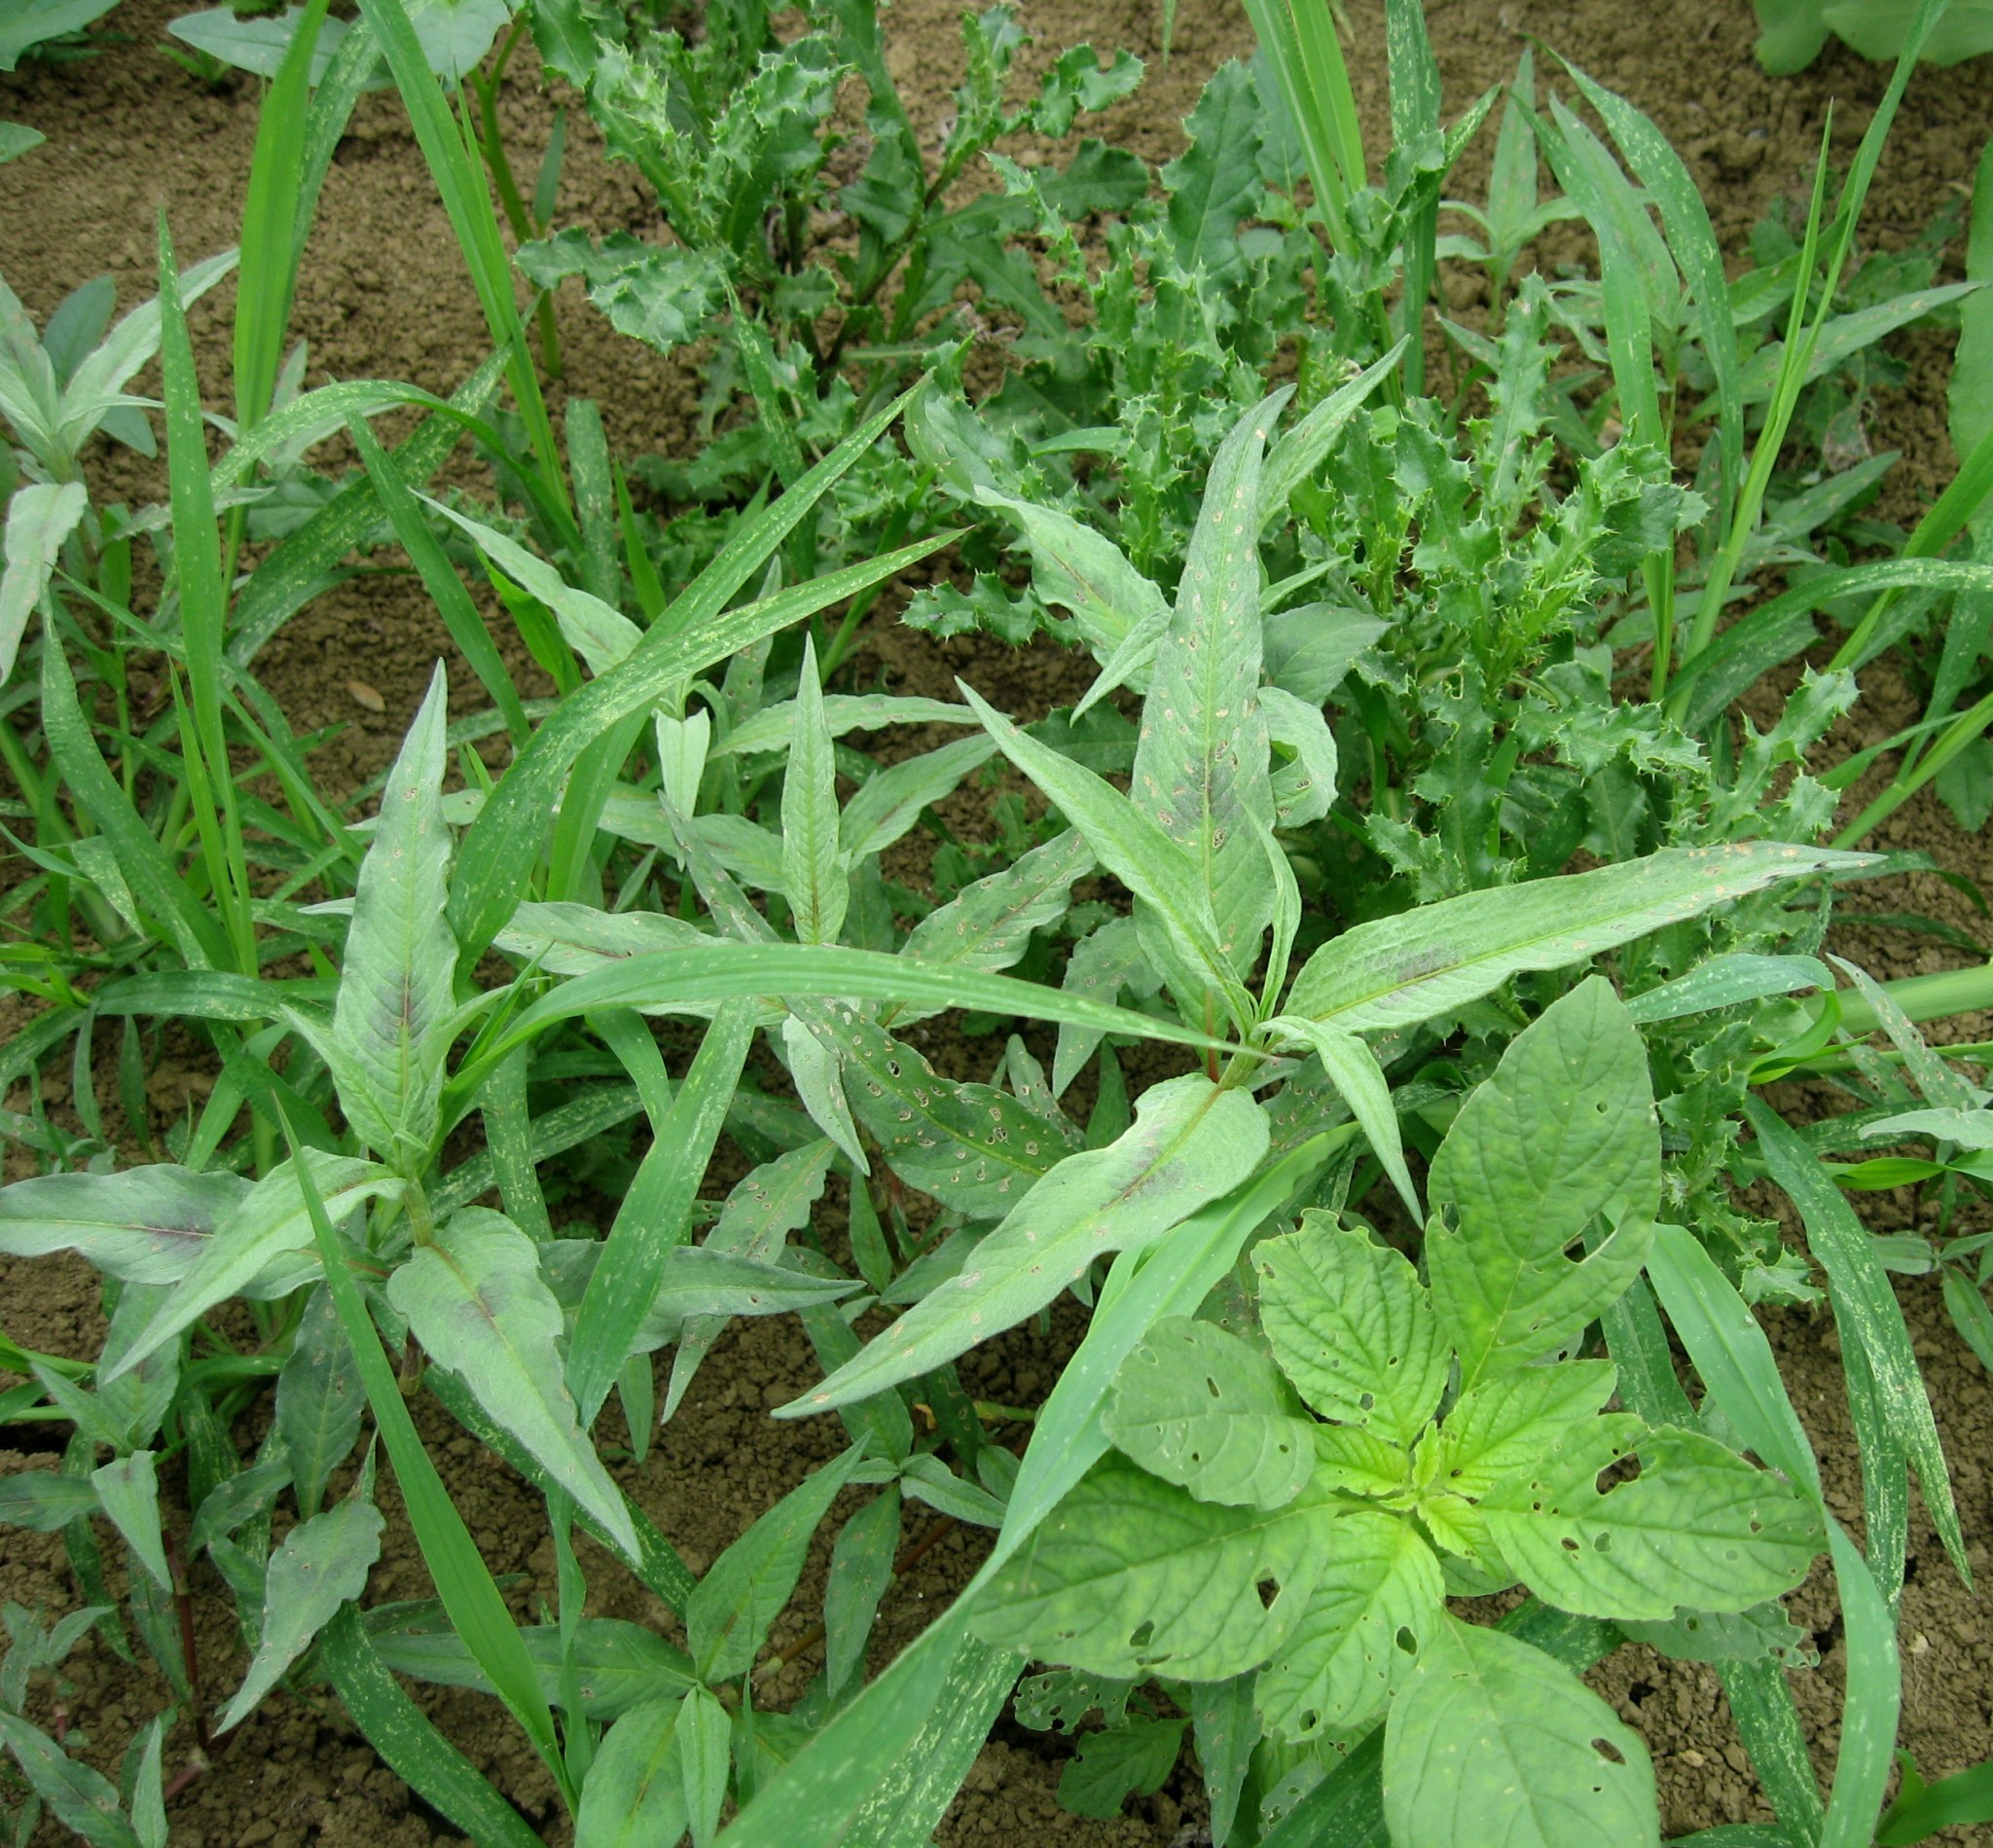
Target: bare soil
{"points": [[383, 293]]}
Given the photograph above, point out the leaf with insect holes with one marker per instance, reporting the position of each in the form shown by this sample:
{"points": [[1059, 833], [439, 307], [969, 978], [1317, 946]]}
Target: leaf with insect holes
{"points": [[475, 1299], [1190, 1141], [1205, 1410], [763, 1207], [1130, 1576], [813, 878], [728, 1616], [1398, 971], [1505, 1423], [1350, 1325], [1201, 770], [1561, 1136], [395, 1011], [635, 1789], [1490, 1734], [1131, 1760], [323, 1562], [1698, 1527], [1375, 1606], [972, 1146]]}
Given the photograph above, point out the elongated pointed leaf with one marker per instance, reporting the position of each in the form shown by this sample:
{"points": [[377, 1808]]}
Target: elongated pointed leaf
{"points": [[82, 1799], [130, 1491], [39, 518], [635, 1795], [323, 1562], [144, 1225], [1353, 1068], [318, 1402], [1400, 970], [475, 1299], [1191, 1143], [813, 880], [889, 805]]}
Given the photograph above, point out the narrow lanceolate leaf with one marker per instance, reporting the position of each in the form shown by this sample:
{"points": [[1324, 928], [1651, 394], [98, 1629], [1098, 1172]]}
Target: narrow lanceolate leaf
{"points": [[814, 1071], [1376, 1605], [323, 1562], [989, 924], [82, 1799], [1563, 1134], [773, 728], [145, 1225], [1354, 1071], [972, 1146], [1205, 1410], [890, 804], [813, 880], [1868, 1314], [1351, 1326], [727, 1618], [1201, 771], [1400, 970], [635, 1795], [1698, 1527], [475, 1299], [39, 518], [860, 1570], [1493, 1738], [394, 992], [130, 1490], [1132, 1575], [318, 1402], [1190, 1141], [265, 1247]]}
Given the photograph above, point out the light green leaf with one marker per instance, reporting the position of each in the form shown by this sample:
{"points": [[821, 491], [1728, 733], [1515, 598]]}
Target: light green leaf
{"points": [[890, 804], [1130, 1576], [1373, 1610], [1190, 1141], [1227, 1729], [318, 1402], [1354, 1071], [1299, 449], [1699, 1526], [1304, 788], [1350, 1325], [620, 1664], [727, 1617], [395, 1007], [1201, 771], [1491, 1737], [264, 1247], [1359, 1461], [1506, 1422], [43, 1500], [145, 1225], [39, 518], [1205, 1410], [1563, 1134], [634, 1796], [130, 1491], [1398, 971], [815, 1071], [569, 939], [705, 1731], [323, 1562], [475, 1299], [772, 729], [813, 879]]}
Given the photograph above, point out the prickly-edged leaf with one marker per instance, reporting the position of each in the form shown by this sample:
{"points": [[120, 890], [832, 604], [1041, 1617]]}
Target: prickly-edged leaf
{"points": [[130, 1490], [264, 1247], [860, 1570], [396, 1002], [1190, 1141], [1699, 1526], [816, 1072], [1205, 1410], [1350, 1325], [1492, 1740], [889, 802], [989, 924], [1354, 1070], [1373, 1610], [1215, 181], [143, 1225], [813, 879], [1201, 771], [635, 1795], [82, 1799], [1082, 570], [1132, 1575], [1562, 1133], [1148, 861], [1398, 971], [318, 1402], [1133, 1760], [972, 1146], [763, 1207], [1304, 784], [1102, 964], [323, 1562], [476, 1300], [727, 1617], [1505, 1423]]}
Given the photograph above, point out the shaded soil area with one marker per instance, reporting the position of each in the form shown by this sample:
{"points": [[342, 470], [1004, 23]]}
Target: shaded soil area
{"points": [[383, 293]]}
